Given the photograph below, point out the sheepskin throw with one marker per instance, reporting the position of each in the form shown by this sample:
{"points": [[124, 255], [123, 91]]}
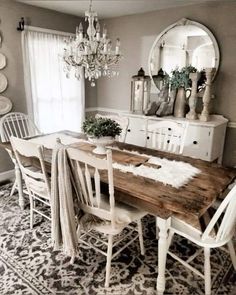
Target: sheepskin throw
{"points": [[174, 173]]}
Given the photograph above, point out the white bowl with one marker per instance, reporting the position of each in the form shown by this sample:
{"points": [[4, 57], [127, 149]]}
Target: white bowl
{"points": [[101, 143]]}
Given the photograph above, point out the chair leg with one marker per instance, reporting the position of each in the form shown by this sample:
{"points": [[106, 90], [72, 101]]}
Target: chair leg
{"points": [[232, 253], [157, 230], [170, 237], [19, 186], [13, 188], [109, 255], [72, 259], [140, 233], [31, 211], [78, 231], [207, 271]]}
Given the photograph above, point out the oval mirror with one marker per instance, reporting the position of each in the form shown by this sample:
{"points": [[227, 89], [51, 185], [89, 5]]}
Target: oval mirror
{"points": [[182, 44]]}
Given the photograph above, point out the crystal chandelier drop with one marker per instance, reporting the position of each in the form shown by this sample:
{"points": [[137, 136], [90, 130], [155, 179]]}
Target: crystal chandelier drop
{"points": [[93, 51]]}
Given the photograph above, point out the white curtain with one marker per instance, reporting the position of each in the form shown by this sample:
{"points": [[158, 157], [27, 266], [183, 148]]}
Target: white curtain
{"points": [[54, 101]]}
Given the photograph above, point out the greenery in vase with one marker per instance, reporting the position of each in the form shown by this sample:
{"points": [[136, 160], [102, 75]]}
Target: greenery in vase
{"points": [[180, 77], [99, 127]]}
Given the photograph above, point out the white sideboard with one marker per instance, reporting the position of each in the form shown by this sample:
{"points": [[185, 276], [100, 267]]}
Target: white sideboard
{"points": [[204, 140]]}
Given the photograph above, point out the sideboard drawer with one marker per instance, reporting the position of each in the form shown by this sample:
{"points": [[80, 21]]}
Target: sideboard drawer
{"points": [[198, 142]]}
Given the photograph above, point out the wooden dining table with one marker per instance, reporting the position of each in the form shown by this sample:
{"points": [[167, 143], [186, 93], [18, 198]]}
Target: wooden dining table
{"points": [[188, 202]]}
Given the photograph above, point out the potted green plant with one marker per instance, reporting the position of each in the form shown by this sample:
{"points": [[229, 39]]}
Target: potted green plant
{"points": [[179, 81], [180, 77], [101, 132]]}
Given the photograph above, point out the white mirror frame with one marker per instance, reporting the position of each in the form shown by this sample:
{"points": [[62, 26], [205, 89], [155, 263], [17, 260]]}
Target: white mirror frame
{"points": [[184, 22]]}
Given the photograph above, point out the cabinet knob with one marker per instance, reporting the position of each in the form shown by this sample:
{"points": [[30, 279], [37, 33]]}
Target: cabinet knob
{"points": [[194, 142], [128, 130], [148, 137], [169, 129], [168, 141]]}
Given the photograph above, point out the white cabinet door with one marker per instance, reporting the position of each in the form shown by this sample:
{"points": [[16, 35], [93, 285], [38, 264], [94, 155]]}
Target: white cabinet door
{"points": [[136, 131], [198, 142]]}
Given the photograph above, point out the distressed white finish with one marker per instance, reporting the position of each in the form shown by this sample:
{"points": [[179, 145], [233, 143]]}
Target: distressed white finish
{"points": [[37, 180], [122, 121], [218, 232], [115, 216], [204, 140], [167, 136], [18, 125]]}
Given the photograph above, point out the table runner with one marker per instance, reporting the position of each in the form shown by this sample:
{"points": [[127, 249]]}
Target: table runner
{"points": [[174, 173]]}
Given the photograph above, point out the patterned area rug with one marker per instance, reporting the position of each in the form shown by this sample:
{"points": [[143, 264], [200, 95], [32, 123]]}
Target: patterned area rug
{"points": [[29, 266]]}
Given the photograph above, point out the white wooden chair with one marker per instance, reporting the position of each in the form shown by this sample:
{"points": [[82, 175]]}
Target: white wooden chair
{"points": [[166, 136], [36, 179], [122, 121], [115, 216], [218, 232], [18, 125]]}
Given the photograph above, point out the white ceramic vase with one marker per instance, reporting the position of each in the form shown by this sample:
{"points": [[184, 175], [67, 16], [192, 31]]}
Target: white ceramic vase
{"points": [[101, 144]]}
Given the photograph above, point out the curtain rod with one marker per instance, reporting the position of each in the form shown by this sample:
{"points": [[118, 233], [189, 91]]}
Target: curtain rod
{"points": [[21, 27]]}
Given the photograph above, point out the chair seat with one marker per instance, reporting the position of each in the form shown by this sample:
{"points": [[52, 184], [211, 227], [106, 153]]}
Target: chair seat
{"points": [[39, 186], [124, 214], [193, 229]]}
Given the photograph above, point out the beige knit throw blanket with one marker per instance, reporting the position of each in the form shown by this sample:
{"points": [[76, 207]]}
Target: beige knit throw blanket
{"points": [[62, 204]]}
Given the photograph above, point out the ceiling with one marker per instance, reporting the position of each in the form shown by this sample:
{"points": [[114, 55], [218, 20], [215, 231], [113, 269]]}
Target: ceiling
{"points": [[112, 8]]}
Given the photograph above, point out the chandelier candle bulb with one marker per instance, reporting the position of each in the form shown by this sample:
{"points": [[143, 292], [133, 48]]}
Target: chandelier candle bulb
{"points": [[117, 46], [86, 49], [105, 48], [104, 34]]}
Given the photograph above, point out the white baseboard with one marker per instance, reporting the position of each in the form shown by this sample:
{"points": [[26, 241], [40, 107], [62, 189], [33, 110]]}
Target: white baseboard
{"points": [[7, 175]]}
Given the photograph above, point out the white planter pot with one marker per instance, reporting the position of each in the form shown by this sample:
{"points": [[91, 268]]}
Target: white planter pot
{"points": [[101, 144]]}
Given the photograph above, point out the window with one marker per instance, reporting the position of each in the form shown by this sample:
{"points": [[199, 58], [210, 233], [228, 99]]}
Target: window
{"points": [[54, 101]]}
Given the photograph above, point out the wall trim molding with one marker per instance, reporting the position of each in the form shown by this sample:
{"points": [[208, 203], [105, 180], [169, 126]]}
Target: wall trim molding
{"points": [[108, 110], [230, 124], [7, 175]]}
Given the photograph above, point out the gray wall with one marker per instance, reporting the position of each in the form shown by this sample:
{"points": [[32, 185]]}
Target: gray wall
{"points": [[10, 14], [137, 34]]}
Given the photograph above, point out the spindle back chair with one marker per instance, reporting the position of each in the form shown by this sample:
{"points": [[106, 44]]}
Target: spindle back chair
{"points": [[36, 179], [167, 136], [218, 232], [18, 125], [114, 216]]}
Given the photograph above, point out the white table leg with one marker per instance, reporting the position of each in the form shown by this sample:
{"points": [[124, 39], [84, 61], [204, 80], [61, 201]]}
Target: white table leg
{"points": [[19, 186], [163, 225]]}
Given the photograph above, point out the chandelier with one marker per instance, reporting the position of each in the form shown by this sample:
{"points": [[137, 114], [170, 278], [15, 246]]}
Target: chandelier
{"points": [[92, 51]]}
